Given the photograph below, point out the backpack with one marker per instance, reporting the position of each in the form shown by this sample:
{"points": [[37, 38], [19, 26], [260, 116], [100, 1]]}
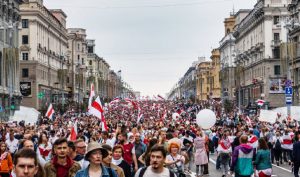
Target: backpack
{"points": [[143, 170], [277, 145]]}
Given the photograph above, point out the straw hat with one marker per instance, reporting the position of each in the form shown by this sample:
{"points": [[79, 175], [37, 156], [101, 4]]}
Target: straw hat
{"points": [[95, 146]]}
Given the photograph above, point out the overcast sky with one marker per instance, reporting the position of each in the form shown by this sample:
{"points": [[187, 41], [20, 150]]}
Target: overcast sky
{"points": [[153, 42]]}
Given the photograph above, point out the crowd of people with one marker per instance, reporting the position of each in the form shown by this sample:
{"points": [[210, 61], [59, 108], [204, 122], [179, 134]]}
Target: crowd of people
{"points": [[143, 138]]}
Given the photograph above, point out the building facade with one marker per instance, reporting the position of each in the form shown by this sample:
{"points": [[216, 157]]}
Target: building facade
{"points": [[259, 68], [203, 83], [294, 34], [10, 96], [227, 55], [77, 51], [43, 44]]}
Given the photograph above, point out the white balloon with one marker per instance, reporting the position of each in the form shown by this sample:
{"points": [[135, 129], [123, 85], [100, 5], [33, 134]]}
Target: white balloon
{"points": [[175, 116], [206, 118]]}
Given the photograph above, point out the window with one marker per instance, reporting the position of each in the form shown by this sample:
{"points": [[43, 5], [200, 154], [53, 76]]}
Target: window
{"points": [[25, 56], [277, 70], [275, 20], [25, 39], [90, 49], [276, 37], [91, 62], [276, 52], [25, 72], [24, 23]]}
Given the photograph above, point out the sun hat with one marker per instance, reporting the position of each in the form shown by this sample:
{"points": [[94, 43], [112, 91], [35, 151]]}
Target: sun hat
{"points": [[95, 146]]}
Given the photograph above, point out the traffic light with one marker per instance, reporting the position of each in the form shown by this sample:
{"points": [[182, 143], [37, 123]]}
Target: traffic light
{"points": [[12, 104]]}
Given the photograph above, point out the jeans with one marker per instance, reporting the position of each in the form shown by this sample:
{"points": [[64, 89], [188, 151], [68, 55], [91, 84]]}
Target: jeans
{"points": [[224, 162], [287, 155], [296, 169], [201, 170]]}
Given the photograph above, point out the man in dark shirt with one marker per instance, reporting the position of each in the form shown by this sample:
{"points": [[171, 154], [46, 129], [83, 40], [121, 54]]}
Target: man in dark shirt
{"points": [[296, 154]]}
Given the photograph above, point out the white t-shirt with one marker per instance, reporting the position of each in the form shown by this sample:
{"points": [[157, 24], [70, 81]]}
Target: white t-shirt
{"points": [[179, 164], [12, 145], [149, 172]]}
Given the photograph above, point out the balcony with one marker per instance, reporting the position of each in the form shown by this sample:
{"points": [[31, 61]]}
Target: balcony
{"points": [[275, 43]]}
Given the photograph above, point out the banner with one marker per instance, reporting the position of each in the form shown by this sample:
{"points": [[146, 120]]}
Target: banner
{"points": [[277, 86], [25, 88], [268, 116]]}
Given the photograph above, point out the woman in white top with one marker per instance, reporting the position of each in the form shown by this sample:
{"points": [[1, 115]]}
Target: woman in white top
{"points": [[44, 147], [174, 160]]}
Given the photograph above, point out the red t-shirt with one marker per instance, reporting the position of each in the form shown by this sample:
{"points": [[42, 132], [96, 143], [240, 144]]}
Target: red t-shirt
{"points": [[128, 153]]}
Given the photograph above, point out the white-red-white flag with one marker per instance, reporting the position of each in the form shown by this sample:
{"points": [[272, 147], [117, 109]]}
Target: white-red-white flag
{"points": [[96, 108], [50, 111], [260, 102], [92, 94], [114, 101], [98, 111], [74, 133]]}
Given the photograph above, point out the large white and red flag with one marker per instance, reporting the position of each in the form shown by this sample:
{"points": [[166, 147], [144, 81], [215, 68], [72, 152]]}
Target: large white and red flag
{"points": [[50, 111], [114, 101], [92, 94], [98, 111], [74, 133]]}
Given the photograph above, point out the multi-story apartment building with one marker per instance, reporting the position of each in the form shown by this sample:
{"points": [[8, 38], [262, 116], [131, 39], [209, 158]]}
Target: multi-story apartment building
{"points": [[115, 85], [227, 54], [104, 78], [77, 51], [294, 34], [203, 89], [258, 40], [43, 62], [10, 96], [208, 78], [214, 77]]}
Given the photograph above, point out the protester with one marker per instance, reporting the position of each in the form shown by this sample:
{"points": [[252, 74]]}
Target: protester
{"points": [[118, 160], [157, 160], [94, 155], [242, 158], [224, 152], [139, 147], [6, 163], [200, 154], [12, 143], [61, 164], [25, 163], [44, 147], [145, 157], [107, 162], [129, 151], [175, 161], [296, 154], [263, 159]]}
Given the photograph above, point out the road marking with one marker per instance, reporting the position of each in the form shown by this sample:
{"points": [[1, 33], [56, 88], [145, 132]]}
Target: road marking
{"points": [[214, 162], [282, 168]]}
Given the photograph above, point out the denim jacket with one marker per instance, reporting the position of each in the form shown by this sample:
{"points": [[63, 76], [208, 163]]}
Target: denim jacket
{"points": [[105, 172]]}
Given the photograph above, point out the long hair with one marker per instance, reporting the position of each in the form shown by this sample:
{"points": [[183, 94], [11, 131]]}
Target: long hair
{"points": [[1, 143], [40, 140], [262, 144], [152, 142]]}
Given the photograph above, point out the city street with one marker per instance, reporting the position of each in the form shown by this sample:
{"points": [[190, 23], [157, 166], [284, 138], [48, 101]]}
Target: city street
{"points": [[278, 171]]}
